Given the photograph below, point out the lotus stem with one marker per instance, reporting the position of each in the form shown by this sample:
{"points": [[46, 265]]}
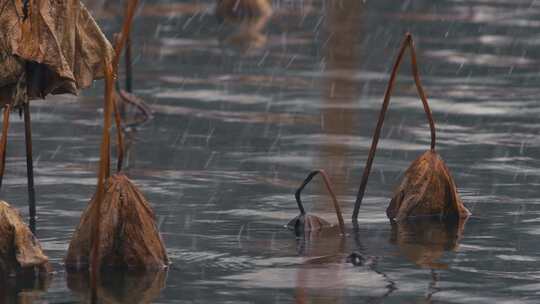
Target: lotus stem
{"points": [[110, 69], [420, 90], [29, 166], [407, 42], [3, 142], [119, 136], [124, 34], [328, 184], [129, 66]]}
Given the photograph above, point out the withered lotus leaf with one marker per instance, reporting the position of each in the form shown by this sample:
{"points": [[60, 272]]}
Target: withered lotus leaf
{"points": [[48, 47], [304, 222], [427, 189], [20, 250], [129, 237]]}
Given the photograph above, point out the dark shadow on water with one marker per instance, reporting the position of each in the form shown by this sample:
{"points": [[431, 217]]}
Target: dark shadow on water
{"points": [[120, 286], [23, 289]]}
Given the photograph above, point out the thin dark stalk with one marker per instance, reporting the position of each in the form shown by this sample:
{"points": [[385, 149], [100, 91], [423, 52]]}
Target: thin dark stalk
{"points": [[119, 136], [124, 34], [129, 66], [407, 42], [328, 184], [3, 142], [29, 166], [138, 104], [421, 93]]}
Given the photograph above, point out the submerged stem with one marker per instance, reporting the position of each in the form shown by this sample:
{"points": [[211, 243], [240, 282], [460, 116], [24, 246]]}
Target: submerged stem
{"points": [[328, 184], [407, 42]]}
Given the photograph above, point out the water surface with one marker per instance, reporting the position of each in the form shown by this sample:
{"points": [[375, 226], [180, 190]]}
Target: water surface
{"points": [[239, 122]]}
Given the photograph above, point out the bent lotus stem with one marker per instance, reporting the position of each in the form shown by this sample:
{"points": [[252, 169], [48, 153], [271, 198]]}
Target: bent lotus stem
{"points": [[3, 142], [407, 43], [328, 184], [138, 104]]}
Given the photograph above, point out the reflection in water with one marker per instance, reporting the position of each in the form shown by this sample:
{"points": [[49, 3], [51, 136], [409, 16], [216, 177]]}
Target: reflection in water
{"points": [[245, 22], [424, 241], [326, 247], [119, 286], [25, 289], [343, 61], [340, 89]]}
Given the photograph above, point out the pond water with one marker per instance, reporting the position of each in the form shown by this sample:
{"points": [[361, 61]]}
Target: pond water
{"points": [[243, 113]]}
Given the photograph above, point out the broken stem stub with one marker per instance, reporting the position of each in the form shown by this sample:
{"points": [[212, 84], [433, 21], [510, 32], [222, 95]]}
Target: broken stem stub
{"points": [[328, 184], [407, 43]]}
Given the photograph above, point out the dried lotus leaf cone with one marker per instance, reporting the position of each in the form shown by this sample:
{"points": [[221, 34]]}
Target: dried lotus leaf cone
{"points": [[304, 223], [242, 9], [129, 237], [20, 251], [427, 189]]}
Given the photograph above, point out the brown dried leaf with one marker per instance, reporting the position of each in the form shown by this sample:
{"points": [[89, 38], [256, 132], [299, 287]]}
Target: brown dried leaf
{"points": [[304, 223], [61, 43], [19, 248], [427, 189], [129, 237]]}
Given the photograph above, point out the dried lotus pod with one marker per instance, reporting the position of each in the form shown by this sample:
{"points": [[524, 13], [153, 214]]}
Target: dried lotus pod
{"points": [[20, 251], [428, 188], [118, 228], [128, 234], [304, 222]]}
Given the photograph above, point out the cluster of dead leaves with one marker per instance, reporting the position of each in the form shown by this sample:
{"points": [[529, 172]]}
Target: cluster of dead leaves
{"points": [[54, 47]]}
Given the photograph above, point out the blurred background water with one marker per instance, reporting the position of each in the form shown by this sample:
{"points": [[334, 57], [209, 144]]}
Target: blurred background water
{"points": [[243, 112]]}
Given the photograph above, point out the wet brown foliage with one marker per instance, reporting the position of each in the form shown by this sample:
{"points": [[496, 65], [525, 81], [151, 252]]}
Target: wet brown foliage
{"points": [[20, 251], [129, 237], [427, 189], [305, 223], [54, 47]]}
